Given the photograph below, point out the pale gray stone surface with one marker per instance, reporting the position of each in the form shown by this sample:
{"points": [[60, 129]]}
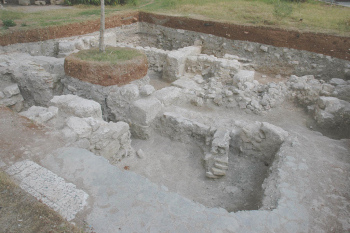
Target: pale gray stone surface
{"points": [[176, 62], [133, 203], [50, 189], [144, 111]]}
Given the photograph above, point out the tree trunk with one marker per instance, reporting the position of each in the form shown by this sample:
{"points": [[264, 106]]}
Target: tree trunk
{"points": [[102, 29]]}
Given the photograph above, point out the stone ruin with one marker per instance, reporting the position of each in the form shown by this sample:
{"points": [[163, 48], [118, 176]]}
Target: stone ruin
{"points": [[197, 92]]}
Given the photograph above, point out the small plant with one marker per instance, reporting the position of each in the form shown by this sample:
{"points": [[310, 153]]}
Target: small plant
{"points": [[24, 25], [8, 23], [67, 2], [282, 9], [133, 2]]}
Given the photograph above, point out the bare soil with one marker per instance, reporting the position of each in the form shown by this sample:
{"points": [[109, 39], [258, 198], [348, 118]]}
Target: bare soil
{"points": [[19, 211]]}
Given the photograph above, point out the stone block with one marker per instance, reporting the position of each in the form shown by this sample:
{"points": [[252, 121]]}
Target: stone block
{"points": [[143, 111], [187, 83], [65, 47], [218, 172], [111, 39], [168, 95], [11, 90], [221, 140], [40, 3], [140, 131], [175, 62], [24, 2], [274, 133], [79, 126], [146, 90], [331, 104], [243, 76], [337, 81], [73, 105]]}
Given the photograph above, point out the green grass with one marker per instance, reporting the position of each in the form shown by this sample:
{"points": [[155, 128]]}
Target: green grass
{"points": [[96, 12], [111, 55], [79, 13], [8, 23], [316, 16]]}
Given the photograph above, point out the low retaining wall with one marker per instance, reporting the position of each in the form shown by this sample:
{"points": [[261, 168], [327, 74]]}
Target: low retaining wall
{"points": [[335, 46]]}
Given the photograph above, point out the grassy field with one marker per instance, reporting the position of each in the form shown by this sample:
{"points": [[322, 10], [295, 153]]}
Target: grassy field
{"points": [[111, 55], [311, 16], [20, 212]]}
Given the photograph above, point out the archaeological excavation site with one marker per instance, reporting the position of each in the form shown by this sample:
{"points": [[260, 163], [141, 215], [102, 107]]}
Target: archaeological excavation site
{"points": [[211, 128]]}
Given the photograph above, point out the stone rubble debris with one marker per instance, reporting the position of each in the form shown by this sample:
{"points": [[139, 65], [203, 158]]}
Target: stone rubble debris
{"points": [[80, 121]]}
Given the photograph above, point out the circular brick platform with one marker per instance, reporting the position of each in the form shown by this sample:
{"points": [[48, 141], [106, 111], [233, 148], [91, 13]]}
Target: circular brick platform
{"points": [[106, 73]]}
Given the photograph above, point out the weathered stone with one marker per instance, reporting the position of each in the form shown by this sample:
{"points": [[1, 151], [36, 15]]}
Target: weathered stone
{"points": [[168, 95], [24, 2], [40, 2], [11, 90], [140, 154], [264, 48], [175, 62], [147, 90], [143, 111], [76, 106], [337, 81], [244, 76], [79, 126]]}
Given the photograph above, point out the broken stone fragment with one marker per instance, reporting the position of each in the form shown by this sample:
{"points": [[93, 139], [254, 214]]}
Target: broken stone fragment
{"points": [[197, 101], [147, 90], [218, 172], [337, 81], [140, 154], [11, 90], [168, 96], [79, 126], [243, 76]]}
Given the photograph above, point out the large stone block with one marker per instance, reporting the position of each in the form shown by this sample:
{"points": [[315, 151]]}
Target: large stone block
{"points": [[143, 111], [11, 90], [79, 126], [243, 76], [24, 2], [73, 105], [175, 62], [168, 95]]}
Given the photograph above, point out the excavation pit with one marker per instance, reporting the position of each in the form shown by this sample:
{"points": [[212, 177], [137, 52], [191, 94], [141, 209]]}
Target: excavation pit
{"points": [[208, 126], [180, 168]]}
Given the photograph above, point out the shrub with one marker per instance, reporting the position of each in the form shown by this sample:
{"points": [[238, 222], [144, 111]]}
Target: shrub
{"points": [[8, 23]]}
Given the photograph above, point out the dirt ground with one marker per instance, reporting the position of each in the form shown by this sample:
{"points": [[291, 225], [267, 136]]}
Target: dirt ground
{"points": [[19, 211]]}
